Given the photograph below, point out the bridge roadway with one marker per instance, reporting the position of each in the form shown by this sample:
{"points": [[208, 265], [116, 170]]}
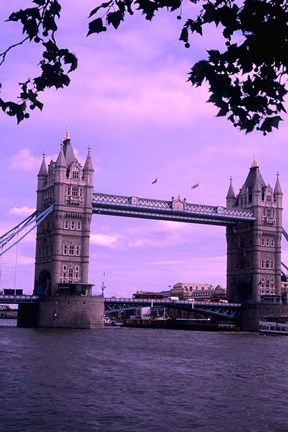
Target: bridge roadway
{"points": [[112, 305], [221, 310], [17, 299]]}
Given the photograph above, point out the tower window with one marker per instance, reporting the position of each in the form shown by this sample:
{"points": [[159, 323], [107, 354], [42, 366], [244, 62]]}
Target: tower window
{"points": [[65, 250], [66, 224], [74, 191], [78, 225], [75, 175], [72, 225]]}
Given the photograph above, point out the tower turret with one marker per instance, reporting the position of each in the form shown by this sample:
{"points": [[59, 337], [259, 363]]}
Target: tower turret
{"points": [[278, 192], [42, 183], [254, 249], [230, 198]]}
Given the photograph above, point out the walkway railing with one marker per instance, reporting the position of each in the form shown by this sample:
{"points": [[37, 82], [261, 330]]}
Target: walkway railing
{"points": [[177, 209]]}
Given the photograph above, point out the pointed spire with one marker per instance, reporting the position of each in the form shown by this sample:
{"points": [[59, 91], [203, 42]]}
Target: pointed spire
{"points": [[257, 186], [61, 161], [254, 180], [254, 163], [88, 166], [66, 136], [230, 198], [277, 188], [230, 193], [68, 150], [43, 171]]}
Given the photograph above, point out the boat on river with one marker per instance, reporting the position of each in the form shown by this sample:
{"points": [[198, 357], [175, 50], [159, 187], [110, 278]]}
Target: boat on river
{"points": [[274, 325], [204, 324]]}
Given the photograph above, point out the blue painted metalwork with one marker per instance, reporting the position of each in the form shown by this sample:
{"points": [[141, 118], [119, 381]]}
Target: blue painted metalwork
{"points": [[17, 299], [6, 241], [174, 210], [220, 310]]}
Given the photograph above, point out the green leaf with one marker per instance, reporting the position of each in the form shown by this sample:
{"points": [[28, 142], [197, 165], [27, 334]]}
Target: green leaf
{"points": [[72, 59], [96, 26], [39, 2], [184, 34], [102, 6], [115, 18], [223, 110]]}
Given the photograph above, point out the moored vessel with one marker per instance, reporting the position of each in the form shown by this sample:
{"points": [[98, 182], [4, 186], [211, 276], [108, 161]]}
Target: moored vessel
{"points": [[274, 325]]}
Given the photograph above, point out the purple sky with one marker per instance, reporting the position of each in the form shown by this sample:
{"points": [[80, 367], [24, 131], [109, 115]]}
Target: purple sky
{"points": [[129, 100]]}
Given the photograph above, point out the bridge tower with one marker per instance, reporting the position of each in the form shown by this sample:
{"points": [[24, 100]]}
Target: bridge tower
{"points": [[62, 243], [254, 248]]}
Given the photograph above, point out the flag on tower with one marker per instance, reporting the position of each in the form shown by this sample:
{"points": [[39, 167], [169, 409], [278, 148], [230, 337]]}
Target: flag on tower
{"points": [[155, 181], [195, 186]]}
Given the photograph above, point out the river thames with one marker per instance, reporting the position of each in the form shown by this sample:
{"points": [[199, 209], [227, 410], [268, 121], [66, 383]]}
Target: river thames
{"points": [[142, 380]]}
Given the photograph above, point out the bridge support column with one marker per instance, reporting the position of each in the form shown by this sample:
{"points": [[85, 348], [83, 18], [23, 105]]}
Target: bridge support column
{"points": [[251, 314], [63, 312]]}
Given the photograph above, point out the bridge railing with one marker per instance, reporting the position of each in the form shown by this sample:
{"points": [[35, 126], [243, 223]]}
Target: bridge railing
{"points": [[167, 302], [142, 206], [17, 299]]}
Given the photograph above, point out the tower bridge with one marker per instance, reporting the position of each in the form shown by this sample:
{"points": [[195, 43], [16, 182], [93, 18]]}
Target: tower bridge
{"points": [[66, 203]]}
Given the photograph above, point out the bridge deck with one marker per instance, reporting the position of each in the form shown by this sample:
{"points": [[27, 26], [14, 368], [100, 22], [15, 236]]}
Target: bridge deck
{"points": [[17, 299], [229, 310], [224, 310]]}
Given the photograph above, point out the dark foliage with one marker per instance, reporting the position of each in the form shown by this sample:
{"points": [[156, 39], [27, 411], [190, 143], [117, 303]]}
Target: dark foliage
{"points": [[247, 81]]}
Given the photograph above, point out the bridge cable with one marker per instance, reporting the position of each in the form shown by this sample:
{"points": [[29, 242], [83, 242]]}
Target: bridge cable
{"points": [[20, 227]]}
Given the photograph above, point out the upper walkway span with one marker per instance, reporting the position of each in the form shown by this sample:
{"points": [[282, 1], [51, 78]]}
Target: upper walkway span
{"points": [[175, 210]]}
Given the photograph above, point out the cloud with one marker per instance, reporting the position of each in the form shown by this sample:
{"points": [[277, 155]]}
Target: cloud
{"points": [[24, 161], [104, 240], [22, 211]]}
